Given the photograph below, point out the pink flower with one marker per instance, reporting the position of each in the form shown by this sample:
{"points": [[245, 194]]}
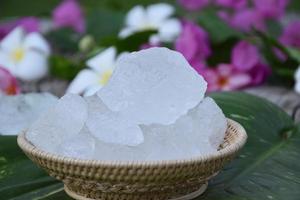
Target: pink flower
{"points": [[225, 78], [69, 14], [271, 9], [246, 19], [244, 56], [234, 4], [8, 83], [29, 24], [291, 34], [194, 4], [193, 43], [259, 73]]}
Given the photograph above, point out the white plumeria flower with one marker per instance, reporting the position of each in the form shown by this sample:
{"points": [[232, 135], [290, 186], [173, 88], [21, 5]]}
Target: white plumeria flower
{"points": [[297, 80], [89, 81], [154, 17], [25, 56]]}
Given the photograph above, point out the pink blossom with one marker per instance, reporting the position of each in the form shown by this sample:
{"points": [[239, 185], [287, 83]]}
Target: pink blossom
{"points": [[271, 9], [194, 4], [234, 4], [246, 19], [259, 73], [29, 24], [193, 43], [225, 78], [291, 34], [69, 14], [244, 56], [8, 83]]}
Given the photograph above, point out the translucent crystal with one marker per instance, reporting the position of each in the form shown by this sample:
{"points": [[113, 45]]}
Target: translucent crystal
{"points": [[156, 85], [81, 145], [200, 132], [18, 112], [61, 122], [109, 126]]}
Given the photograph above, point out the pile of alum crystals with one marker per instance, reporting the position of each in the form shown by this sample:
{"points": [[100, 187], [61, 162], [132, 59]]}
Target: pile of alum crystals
{"points": [[153, 108], [19, 111]]}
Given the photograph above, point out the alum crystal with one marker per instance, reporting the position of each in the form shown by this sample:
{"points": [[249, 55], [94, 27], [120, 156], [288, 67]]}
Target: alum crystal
{"points": [[153, 108]]}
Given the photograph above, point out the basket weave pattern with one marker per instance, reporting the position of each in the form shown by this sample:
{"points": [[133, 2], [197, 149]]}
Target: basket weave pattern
{"points": [[137, 180]]}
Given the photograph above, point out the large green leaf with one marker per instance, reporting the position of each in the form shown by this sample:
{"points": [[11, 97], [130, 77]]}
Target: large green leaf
{"points": [[267, 168]]}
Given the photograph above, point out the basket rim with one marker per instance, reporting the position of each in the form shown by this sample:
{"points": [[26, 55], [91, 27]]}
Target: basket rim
{"points": [[239, 142]]}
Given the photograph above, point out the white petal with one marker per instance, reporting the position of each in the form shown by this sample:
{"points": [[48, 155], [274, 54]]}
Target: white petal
{"points": [[13, 40], [7, 62], [169, 30], [125, 32], [92, 90], [297, 87], [37, 41], [103, 61], [84, 79], [33, 66], [297, 74], [159, 12], [136, 17], [154, 39]]}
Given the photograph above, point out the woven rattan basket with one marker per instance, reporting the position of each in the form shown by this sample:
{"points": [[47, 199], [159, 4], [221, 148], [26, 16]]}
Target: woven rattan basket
{"points": [[176, 179]]}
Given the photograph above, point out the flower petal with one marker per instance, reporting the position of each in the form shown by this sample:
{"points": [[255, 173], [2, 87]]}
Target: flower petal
{"points": [[84, 79], [169, 30], [297, 87], [103, 61], [157, 13], [37, 42], [33, 66], [13, 39], [239, 81], [7, 62], [136, 16], [92, 90], [125, 32]]}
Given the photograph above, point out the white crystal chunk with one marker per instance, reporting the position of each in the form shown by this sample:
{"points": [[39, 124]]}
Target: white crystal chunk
{"points": [[109, 126], [18, 112], [156, 85], [61, 122], [80, 146], [199, 132]]}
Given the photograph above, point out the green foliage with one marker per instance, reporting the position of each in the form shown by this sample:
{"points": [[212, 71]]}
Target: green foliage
{"points": [[267, 168], [63, 68], [63, 40], [283, 71], [103, 23]]}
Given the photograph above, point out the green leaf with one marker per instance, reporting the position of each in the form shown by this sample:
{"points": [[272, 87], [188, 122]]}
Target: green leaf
{"points": [[218, 30], [267, 168], [103, 23], [130, 43], [64, 40], [294, 53], [64, 68]]}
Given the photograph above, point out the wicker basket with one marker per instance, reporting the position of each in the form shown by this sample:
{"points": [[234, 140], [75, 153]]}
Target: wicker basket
{"points": [[176, 179]]}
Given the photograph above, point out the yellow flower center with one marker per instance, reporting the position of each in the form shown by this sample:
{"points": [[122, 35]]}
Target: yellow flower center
{"points": [[105, 77], [18, 54]]}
